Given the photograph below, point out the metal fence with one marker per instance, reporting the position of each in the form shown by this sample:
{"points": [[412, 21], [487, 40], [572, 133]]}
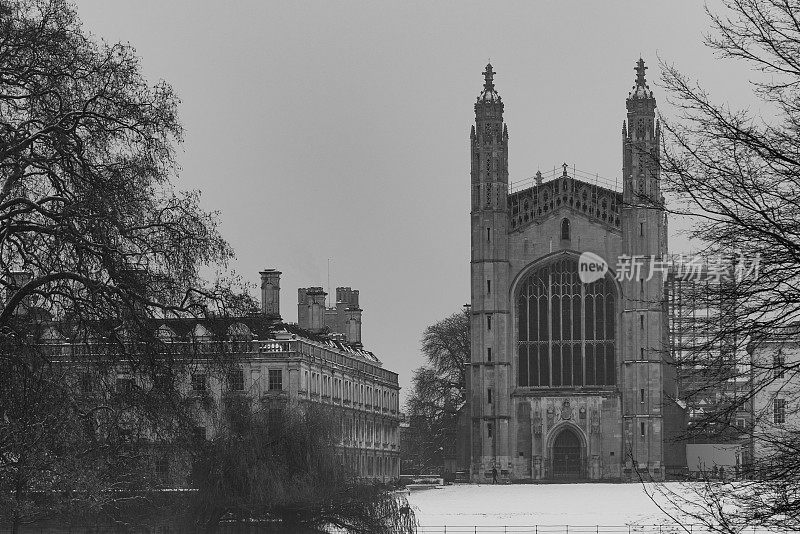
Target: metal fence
{"points": [[425, 529], [582, 529]]}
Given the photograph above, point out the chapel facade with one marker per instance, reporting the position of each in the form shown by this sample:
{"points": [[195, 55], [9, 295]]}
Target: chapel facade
{"points": [[567, 379]]}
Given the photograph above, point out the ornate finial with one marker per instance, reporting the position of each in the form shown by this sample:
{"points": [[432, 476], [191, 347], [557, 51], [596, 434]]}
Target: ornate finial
{"points": [[640, 68], [488, 76], [565, 169], [488, 93]]}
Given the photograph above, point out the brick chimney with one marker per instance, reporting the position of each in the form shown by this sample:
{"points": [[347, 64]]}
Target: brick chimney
{"points": [[311, 308], [270, 292]]}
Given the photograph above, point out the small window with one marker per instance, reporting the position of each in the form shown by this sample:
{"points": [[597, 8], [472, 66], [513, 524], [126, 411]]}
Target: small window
{"points": [[641, 321], [488, 322], [198, 382], [488, 287], [641, 229], [489, 396], [489, 430], [778, 365], [236, 380], [641, 428], [275, 380], [641, 353], [779, 411], [641, 286], [641, 395], [488, 235], [565, 229], [489, 354]]}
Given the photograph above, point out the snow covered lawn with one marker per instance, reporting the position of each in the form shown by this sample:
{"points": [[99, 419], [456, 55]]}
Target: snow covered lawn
{"points": [[536, 504]]}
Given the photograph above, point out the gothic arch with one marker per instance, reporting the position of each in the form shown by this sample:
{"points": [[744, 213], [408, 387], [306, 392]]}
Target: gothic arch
{"points": [[564, 333], [566, 229], [566, 425], [567, 451]]}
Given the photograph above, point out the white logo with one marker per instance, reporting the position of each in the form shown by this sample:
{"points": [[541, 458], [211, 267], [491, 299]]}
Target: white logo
{"points": [[591, 267]]}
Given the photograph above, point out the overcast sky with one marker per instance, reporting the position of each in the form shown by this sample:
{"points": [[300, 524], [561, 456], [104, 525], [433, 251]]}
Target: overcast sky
{"points": [[340, 129]]}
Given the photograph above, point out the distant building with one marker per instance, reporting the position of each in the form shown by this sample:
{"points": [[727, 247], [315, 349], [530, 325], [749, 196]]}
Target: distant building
{"points": [[776, 395], [274, 363], [568, 379]]}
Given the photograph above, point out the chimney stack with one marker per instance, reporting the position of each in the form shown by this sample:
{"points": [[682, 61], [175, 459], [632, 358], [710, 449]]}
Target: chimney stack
{"points": [[311, 308], [271, 292], [353, 325]]}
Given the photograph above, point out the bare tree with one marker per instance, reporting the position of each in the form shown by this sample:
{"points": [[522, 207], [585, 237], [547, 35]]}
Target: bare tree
{"points": [[95, 244], [282, 466], [439, 391], [736, 173]]}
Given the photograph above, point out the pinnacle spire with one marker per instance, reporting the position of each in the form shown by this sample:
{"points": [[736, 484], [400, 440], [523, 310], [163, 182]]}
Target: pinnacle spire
{"points": [[640, 89], [488, 76], [488, 93], [640, 78]]}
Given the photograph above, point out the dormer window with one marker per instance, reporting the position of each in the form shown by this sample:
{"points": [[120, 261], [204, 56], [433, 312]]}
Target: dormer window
{"points": [[565, 230]]}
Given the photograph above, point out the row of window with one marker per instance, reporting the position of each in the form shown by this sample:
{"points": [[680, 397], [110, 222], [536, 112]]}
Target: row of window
{"points": [[374, 466], [236, 381], [371, 466], [198, 382], [369, 432], [328, 386]]}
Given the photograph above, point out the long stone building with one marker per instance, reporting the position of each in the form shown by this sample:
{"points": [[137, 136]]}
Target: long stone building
{"points": [[568, 375], [273, 363]]}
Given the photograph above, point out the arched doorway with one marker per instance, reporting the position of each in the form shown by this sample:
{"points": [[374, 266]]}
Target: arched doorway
{"points": [[567, 460]]}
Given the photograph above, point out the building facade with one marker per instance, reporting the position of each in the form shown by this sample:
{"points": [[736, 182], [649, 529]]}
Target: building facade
{"points": [[775, 417], [271, 363], [567, 379]]}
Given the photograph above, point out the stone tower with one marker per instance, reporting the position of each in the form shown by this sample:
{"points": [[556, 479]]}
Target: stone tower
{"points": [[644, 320], [490, 370]]}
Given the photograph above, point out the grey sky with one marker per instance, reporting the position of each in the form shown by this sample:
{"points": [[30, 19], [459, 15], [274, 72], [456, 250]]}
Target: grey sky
{"points": [[340, 129]]}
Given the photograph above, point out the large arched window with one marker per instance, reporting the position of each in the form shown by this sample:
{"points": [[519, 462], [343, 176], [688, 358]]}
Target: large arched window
{"points": [[566, 329]]}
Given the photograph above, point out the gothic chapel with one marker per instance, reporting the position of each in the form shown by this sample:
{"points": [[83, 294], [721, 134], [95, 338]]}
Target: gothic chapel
{"points": [[567, 379]]}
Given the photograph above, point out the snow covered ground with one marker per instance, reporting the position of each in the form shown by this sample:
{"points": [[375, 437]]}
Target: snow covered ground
{"points": [[536, 504]]}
